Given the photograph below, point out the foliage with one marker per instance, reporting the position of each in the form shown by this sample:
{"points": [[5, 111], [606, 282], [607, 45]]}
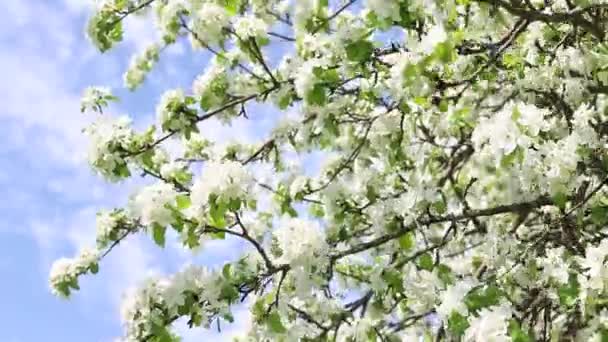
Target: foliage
{"points": [[461, 189]]}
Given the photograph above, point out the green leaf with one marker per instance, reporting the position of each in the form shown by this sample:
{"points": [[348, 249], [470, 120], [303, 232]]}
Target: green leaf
{"points": [[218, 235], [229, 293], [406, 19], [517, 334], [483, 297], [457, 323], [235, 204], [604, 335], [286, 100], [359, 51], [161, 334], [316, 210], [440, 207], [274, 323], [560, 199], [73, 284], [158, 234], [217, 212], [445, 52], [105, 29], [226, 271], [393, 279], [94, 268], [122, 170], [328, 77], [599, 214], [568, 294], [406, 242], [444, 105], [183, 202], [232, 6], [444, 273], [425, 261], [228, 317], [317, 95]]}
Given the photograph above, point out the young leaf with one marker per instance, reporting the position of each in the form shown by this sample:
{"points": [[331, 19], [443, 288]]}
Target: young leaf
{"points": [[158, 234]]}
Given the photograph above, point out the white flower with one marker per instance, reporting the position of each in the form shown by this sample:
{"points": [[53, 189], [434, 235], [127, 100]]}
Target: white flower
{"points": [[62, 269], [105, 223], [109, 137], [137, 309], [168, 14], [360, 328], [149, 205], [300, 241], [249, 26], [532, 117], [188, 279], [211, 85], [490, 325], [227, 180], [385, 9], [305, 79], [298, 185], [554, 265], [573, 59], [64, 272], [452, 299], [172, 113], [304, 9], [574, 90], [171, 170], [433, 37], [140, 65], [499, 131], [594, 263], [87, 257], [209, 22], [96, 98]]}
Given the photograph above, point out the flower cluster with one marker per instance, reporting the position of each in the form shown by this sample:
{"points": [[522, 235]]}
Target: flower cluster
{"points": [[174, 114], [110, 141], [247, 27], [210, 87], [300, 242], [96, 98], [221, 184], [64, 273], [150, 205], [140, 66], [110, 225], [209, 23]]}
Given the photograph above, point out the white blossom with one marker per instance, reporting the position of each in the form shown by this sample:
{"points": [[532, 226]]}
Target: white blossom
{"points": [[209, 22], [227, 180], [490, 325], [150, 204], [250, 27], [96, 98], [433, 37], [171, 111], [108, 139], [385, 9], [300, 241], [554, 265], [452, 299]]}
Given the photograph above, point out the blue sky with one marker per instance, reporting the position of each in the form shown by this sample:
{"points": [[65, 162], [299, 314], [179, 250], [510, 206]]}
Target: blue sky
{"points": [[50, 196]]}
